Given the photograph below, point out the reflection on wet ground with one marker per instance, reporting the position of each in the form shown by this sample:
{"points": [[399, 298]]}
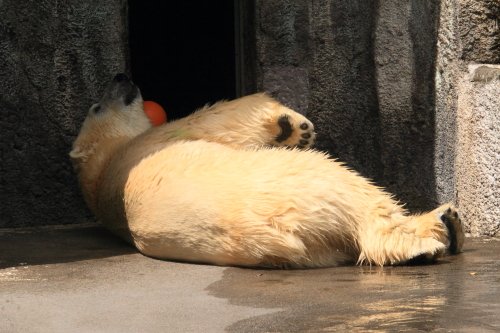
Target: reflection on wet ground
{"points": [[460, 293]]}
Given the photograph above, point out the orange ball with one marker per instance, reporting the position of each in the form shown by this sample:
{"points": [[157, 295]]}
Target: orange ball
{"points": [[155, 113]]}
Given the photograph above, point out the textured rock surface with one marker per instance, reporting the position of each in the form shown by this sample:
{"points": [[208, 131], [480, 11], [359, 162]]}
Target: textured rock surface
{"points": [[467, 112], [448, 69], [405, 51], [479, 30], [478, 156], [317, 58], [364, 74], [55, 57], [343, 100], [282, 52]]}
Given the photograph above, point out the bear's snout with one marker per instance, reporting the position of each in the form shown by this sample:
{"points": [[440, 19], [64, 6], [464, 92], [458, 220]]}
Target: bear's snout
{"points": [[120, 77], [121, 88]]}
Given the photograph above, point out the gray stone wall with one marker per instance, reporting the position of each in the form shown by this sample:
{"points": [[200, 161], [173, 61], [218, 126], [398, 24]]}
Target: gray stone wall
{"points": [[55, 57], [363, 72], [447, 69], [467, 110], [479, 23], [478, 151], [405, 52]]}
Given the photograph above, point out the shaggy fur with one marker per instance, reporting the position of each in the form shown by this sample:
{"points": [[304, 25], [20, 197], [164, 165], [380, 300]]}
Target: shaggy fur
{"points": [[214, 188]]}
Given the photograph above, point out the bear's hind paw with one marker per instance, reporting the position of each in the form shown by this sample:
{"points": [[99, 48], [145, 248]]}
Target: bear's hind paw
{"points": [[451, 220], [294, 131]]}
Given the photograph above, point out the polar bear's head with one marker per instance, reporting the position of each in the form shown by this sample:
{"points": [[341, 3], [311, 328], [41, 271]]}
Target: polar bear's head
{"points": [[116, 119]]}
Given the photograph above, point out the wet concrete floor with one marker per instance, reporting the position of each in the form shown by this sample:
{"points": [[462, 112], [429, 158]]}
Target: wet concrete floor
{"points": [[82, 279]]}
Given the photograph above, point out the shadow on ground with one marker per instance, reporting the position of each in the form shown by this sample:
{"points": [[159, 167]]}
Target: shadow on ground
{"points": [[39, 246]]}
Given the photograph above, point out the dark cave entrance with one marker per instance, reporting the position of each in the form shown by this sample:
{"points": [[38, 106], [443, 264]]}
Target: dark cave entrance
{"points": [[183, 53]]}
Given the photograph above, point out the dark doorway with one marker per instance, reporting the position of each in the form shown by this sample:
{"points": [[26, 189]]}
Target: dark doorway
{"points": [[183, 52]]}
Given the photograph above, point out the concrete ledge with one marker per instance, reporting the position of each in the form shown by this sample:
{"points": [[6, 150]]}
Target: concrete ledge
{"points": [[86, 280]]}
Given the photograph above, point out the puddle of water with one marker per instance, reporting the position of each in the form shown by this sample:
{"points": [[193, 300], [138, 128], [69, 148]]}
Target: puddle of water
{"points": [[389, 299]]}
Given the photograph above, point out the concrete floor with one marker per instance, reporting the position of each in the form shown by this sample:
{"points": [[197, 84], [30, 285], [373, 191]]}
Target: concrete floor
{"points": [[82, 279]]}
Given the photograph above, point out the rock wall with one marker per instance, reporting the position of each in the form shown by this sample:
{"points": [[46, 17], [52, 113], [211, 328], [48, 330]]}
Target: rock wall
{"points": [[467, 110], [479, 24], [363, 72], [55, 57], [447, 71], [478, 150], [405, 53]]}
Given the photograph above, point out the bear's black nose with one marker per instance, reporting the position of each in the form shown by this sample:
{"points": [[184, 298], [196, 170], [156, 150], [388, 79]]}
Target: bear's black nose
{"points": [[120, 77]]}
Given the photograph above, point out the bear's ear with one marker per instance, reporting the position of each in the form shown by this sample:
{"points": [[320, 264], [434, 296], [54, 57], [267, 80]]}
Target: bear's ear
{"points": [[77, 155]]}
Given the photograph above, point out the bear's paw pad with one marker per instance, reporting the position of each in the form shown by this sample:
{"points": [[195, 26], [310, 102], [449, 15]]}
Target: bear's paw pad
{"points": [[295, 131]]}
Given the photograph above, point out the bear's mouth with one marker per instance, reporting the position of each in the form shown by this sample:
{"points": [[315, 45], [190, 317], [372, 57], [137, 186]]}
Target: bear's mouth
{"points": [[131, 95]]}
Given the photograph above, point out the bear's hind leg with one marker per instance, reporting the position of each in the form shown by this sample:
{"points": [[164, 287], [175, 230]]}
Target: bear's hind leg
{"points": [[251, 121], [402, 239], [259, 120]]}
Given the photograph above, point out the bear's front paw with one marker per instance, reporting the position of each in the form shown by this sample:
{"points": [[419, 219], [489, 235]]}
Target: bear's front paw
{"points": [[456, 236], [294, 130]]}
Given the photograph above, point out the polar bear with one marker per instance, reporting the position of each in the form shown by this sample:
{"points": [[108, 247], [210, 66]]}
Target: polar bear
{"points": [[236, 183]]}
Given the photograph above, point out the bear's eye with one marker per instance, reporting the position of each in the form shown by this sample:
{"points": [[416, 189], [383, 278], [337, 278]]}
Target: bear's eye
{"points": [[96, 108]]}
